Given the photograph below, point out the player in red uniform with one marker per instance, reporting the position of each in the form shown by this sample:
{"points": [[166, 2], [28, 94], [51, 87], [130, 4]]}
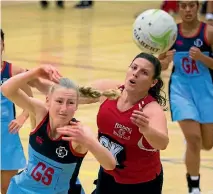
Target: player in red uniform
{"points": [[135, 131]]}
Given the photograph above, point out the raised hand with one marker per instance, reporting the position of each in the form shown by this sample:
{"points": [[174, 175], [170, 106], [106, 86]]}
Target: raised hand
{"points": [[170, 54], [49, 72], [195, 53], [140, 119]]}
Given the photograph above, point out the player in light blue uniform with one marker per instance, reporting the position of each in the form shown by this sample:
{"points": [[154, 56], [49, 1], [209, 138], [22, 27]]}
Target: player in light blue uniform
{"points": [[12, 154], [10, 143], [191, 87], [50, 166], [55, 145], [191, 84]]}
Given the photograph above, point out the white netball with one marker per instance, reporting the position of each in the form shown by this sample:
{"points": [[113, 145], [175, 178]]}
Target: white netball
{"points": [[154, 31]]}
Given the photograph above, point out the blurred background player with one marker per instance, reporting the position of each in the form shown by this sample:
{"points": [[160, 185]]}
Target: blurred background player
{"points": [[170, 6], [10, 125], [60, 4], [84, 4], [45, 4], [209, 13], [207, 9], [191, 87]]}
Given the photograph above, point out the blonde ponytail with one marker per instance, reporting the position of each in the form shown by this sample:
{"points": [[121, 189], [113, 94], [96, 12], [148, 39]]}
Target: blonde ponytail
{"points": [[112, 94], [92, 93]]}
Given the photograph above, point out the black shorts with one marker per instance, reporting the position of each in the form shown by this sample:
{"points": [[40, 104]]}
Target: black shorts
{"points": [[107, 185]]}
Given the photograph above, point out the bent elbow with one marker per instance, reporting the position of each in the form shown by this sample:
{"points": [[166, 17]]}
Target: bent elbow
{"points": [[163, 147], [5, 92], [109, 168], [111, 165], [165, 144], [164, 65]]}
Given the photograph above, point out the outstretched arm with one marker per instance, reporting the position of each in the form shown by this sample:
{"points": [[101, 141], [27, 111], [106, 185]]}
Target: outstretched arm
{"points": [[101, 85], [102, 154], [11, 89], [42, 85], [83, 136]]}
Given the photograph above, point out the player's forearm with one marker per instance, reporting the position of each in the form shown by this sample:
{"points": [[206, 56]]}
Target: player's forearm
{"points": [[164, 61], [166, 58], [156, 139], [12, 85], [41, 85], [164, 64], [208, 61], [102, 154], [23, 116]]}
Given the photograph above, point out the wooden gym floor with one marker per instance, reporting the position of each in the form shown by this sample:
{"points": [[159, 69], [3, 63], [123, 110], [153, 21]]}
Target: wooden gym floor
{"points": [[86, 45]]}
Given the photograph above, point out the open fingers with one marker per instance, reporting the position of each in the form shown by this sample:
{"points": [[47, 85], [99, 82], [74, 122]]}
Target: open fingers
{"points": [[141, 113], [139, 119], [14, 127], [66, 132], [68, 138], [11, 125]]}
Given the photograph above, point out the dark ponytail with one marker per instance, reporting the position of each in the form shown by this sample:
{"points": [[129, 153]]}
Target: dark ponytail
{"points": [[156, 92]]}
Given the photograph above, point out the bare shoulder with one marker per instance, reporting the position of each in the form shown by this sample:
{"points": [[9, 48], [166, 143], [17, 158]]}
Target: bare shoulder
{"points": [[157, 117], [154, 109], [209, 34]]}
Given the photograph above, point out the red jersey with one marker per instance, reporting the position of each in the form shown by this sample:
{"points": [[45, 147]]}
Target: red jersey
{"points": [[137, 161]]}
